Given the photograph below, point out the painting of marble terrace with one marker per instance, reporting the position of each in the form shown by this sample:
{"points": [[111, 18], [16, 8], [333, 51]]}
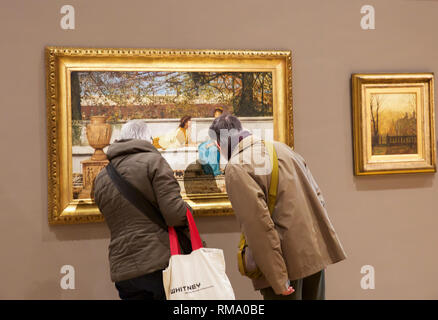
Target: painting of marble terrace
{"points": [[102, 101]]}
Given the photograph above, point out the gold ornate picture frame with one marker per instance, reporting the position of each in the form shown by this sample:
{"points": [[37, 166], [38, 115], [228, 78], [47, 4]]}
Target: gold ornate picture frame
{"points": [[393, 123], [72, 161]]}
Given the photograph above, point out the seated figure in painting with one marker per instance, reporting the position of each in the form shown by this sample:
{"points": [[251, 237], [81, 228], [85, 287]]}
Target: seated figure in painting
{"points": [[209, 155], [178, 138]]}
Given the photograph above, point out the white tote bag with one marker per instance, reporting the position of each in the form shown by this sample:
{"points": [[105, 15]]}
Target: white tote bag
{"points": [[199, 275]]}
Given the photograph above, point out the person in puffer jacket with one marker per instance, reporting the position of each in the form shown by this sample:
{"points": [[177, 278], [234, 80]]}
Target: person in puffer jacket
{"points": [[139, 248]]}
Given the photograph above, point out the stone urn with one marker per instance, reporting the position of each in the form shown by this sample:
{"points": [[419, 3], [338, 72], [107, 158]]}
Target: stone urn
{"points": [[98, 135]]}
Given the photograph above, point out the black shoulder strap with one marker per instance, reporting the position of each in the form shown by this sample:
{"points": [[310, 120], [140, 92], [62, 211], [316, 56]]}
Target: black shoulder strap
{"points": [[135, 197], [138, 200]]}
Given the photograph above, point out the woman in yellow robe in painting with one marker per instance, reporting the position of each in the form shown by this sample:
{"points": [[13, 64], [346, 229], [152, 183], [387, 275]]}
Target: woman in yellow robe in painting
{"points": [[175, 139]]}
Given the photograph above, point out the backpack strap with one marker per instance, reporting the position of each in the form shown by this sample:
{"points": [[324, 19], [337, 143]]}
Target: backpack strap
{"points": [[273, 186]]}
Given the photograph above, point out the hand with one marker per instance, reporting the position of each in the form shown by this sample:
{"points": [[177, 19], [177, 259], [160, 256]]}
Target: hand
{"points": [[288, 291]]}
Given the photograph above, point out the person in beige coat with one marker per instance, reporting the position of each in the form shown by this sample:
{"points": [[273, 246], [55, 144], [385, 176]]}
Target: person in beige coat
{"points": [[294, 245]]}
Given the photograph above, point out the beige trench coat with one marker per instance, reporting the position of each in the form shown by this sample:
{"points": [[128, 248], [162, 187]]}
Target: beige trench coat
{"points": [[299, 239]]}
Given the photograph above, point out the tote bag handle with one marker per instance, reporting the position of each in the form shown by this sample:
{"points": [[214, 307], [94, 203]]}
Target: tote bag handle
{"points": [[195, 238]]}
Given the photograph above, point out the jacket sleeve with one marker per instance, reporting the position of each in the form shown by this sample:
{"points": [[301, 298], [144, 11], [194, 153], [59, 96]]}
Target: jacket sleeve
{"points": [[168, 193], [249, 204], [309, 176]]}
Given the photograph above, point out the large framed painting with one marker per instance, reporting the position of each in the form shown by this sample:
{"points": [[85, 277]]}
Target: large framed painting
{"points": [[393, 123], [91, 93]]}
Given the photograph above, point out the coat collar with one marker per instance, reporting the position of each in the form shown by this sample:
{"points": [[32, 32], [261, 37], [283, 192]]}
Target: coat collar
{"points": [[125, 147], [244, 144]]}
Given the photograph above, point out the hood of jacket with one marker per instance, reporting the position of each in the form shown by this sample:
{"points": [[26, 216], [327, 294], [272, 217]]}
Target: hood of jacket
{"points": [[125, 147]]}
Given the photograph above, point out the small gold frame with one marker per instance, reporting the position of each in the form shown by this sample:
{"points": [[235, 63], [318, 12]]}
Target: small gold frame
{"points": [[365, 88], [61, 61]]}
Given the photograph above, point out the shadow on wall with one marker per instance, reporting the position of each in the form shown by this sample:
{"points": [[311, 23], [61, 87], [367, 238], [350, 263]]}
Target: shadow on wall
{"points": [[91, 231], [219, 224], [394, 182], [94, 231], [44, 290]]}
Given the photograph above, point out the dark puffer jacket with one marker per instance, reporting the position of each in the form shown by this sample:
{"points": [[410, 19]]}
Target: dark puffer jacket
{"points": [[138, 246]]}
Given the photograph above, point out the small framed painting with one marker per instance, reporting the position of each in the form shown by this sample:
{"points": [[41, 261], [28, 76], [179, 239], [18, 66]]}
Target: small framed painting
{"points": [[393, 123]]}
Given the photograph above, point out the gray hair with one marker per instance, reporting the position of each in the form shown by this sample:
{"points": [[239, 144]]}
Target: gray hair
{"points": [[136, 129], [223, 127], [226, 130]]}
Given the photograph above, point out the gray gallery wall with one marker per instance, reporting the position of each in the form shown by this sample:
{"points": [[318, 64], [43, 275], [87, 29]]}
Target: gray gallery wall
{"points": [[387, 222]]}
